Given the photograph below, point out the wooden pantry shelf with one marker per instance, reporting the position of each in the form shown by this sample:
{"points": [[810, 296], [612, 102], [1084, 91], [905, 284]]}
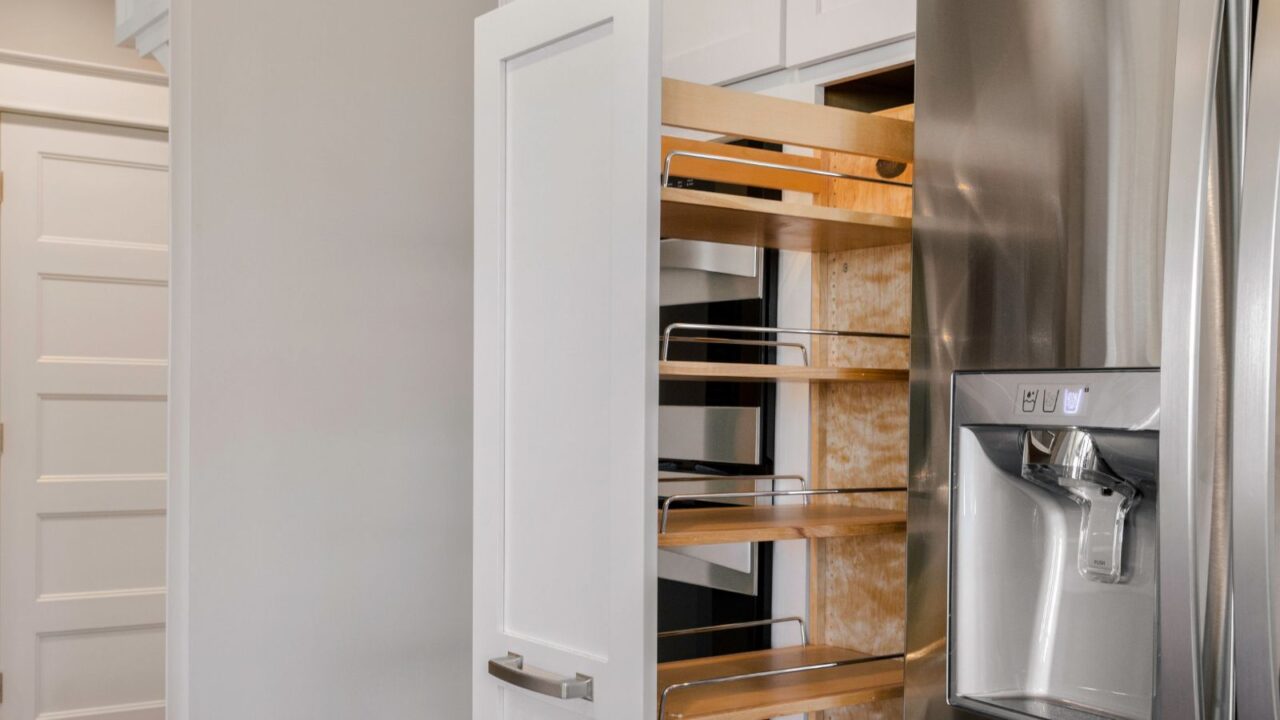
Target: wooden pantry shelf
{"points": [[684, 370], [790, 122], [762, 698], [738, 220], [763, 523]]}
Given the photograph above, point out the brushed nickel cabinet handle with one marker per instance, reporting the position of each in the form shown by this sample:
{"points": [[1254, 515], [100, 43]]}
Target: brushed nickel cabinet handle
{"points": [[511, 669]]}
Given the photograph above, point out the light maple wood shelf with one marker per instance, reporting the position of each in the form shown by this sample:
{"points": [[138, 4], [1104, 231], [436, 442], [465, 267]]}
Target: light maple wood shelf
{"points": [[737, 220], [762, 698], [764, 523], [685, 370]]}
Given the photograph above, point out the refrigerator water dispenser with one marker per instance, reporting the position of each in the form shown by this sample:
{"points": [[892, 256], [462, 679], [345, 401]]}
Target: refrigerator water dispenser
{"points": [[1053, 553]]}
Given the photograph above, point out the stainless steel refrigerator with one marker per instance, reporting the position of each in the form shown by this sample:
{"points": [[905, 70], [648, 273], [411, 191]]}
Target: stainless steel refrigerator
{"points": [[1092, 511]]}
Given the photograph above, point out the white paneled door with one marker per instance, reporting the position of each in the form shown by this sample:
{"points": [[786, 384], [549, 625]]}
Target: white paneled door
{"points": [[83, 375], [566, 268]]}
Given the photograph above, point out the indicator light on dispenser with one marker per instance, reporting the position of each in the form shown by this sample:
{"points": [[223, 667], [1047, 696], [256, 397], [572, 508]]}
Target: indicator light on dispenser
{"points": [[1072, 399]]}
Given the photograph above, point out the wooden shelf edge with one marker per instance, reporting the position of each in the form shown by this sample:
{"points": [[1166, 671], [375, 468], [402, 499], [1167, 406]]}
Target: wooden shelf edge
{"points": [[686, 370], [750, 115], [739, 220], [768, 523]]}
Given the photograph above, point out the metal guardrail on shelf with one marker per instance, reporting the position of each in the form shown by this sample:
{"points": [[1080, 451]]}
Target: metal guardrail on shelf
{"points": [[804, 642], [704, 327]]}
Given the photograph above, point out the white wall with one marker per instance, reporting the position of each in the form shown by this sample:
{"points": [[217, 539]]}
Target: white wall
{"points": [[81, 30], [320, 502]]}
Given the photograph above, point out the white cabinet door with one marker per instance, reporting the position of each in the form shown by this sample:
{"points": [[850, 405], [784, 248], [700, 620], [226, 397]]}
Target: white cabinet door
{"points": [[566, 267], [821, 29], [720, 41], [84, 262]]}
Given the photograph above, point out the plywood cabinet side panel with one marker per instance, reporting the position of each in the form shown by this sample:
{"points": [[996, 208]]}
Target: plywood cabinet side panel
{"points": [[864, 196], [868, 290], [870, 196], [858, 585], [859, 435], [817, 450], [884, 710], [865, 437]]}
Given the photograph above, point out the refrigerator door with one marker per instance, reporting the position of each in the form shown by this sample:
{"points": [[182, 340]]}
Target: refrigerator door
{"points": [[1255, 565], [1195, 668], [1042, 141]]}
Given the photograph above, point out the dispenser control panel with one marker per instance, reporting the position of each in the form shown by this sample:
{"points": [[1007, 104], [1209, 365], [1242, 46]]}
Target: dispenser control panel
{"points": [[1124, 399], [1059, 400]]}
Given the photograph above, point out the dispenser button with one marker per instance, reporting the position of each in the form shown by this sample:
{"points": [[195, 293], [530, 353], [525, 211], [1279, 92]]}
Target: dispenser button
{"points": [[1029, 398], [1073, 400], [1050, 403]]}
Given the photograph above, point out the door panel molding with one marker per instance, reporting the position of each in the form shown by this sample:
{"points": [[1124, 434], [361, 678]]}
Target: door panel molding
{"points": [[83, 390], [566, 269]]}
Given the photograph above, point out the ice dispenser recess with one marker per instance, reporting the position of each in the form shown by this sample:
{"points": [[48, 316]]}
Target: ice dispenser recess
{"points": [[1054, 499]]}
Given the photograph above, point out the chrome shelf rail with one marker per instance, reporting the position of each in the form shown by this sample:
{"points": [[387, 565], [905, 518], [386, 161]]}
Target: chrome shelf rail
{"points": [[666, 169], [666, 334], [715, 478], [662, 705], [804, 351], [804, 635]]}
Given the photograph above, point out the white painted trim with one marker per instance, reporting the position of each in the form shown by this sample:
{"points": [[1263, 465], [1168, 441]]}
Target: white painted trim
{"points": [[13, 57], [178, 514], [52, 87], [144, 25], [134, 16], [161, 53], [815, 77]]}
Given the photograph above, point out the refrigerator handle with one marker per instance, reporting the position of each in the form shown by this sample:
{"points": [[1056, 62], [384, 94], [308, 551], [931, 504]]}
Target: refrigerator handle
{"points": [[1186, 394], [1255, 565]]}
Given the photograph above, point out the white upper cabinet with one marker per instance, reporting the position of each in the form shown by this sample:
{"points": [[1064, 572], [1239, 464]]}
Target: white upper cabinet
{"points": [[566, 361], [821, 29], [720, 41], [144, 24]]}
